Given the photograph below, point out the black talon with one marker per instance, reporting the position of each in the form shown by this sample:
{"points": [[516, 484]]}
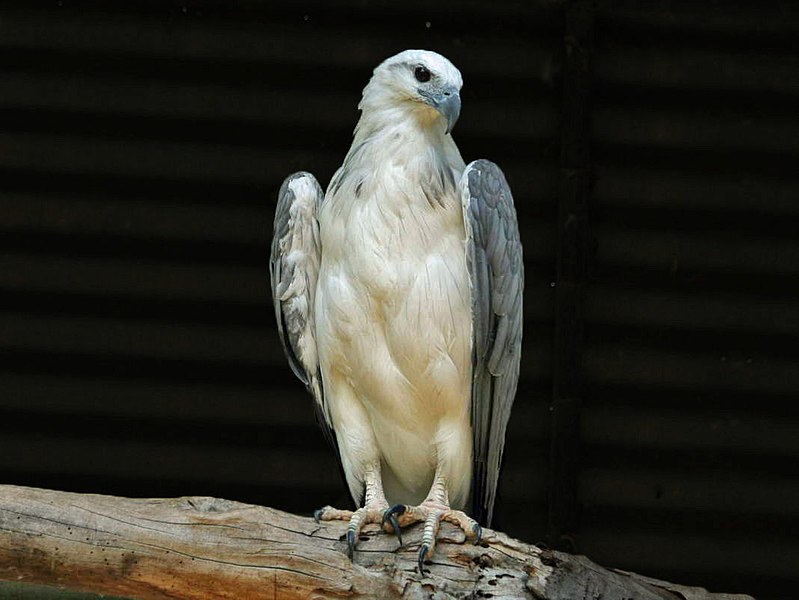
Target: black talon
{"points": [[478, 531], [350, 542], [390, 515], [392, 519], [317, 514], [422, 554]]}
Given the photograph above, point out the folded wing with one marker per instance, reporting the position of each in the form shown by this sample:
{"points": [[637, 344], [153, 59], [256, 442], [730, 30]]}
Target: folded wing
{"points": [[294, 268], [494, 253]]}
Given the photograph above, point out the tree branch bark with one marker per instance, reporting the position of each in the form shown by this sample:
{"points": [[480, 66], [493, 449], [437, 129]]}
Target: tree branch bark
{"points": [[207, 548]]}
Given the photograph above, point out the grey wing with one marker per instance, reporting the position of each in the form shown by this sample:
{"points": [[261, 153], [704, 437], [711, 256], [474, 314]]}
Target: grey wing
{"points": [[494, 254], [294, 268]]}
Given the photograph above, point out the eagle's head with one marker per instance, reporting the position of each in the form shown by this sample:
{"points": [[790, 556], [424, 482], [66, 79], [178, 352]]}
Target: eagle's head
{"points": [[421, 80]]}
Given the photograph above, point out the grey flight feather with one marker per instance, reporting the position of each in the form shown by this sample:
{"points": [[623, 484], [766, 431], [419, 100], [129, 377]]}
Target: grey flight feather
{"points": [[294, 268], [497, 275]]}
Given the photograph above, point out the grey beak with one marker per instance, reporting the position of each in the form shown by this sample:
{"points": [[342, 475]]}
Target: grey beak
{"points": [[449, 105]]}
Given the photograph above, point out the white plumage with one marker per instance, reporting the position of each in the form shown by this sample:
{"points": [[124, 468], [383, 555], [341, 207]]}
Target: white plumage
{"points": [[379, 289]]}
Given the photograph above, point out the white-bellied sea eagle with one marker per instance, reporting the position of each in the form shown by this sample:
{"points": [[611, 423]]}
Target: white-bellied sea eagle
{"points": [[398, 297]]}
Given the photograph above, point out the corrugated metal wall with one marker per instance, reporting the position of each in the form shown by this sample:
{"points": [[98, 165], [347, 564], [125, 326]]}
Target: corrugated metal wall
{"points": [[141, 148], [690, 424]]}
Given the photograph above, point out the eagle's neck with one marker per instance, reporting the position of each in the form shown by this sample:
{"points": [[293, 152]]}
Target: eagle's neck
{"points": [[397, 189], [407, 133]]}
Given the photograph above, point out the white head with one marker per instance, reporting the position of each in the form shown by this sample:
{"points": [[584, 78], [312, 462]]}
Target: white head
{"points": [[419, 81]]}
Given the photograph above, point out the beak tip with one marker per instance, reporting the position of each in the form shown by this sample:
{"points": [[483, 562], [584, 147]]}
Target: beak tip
{"points": [[451, 111], [448, 105]]}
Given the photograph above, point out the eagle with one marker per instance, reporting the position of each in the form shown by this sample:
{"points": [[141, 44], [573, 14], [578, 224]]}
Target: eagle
{"points": [[398, 299]]}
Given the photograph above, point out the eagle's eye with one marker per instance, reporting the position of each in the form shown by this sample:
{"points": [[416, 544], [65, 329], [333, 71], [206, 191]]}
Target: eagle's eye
{"points": [[422, 74]]}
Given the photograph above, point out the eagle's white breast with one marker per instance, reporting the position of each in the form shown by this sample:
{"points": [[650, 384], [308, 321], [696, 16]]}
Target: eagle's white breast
{"points": [[393, 310]]}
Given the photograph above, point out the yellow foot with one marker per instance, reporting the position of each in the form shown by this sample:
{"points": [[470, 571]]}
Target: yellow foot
{"points": [[432, 514], [366, 514]]}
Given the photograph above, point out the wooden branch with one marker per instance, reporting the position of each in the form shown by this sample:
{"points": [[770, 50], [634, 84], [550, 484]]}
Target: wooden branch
{"points": [[206, 548]]}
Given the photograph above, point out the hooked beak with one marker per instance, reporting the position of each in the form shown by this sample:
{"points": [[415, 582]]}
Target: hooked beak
{"points": [[449, 105], [447, 102]]}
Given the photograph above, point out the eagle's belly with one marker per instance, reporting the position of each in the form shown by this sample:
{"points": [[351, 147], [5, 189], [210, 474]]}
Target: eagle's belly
{"points": [[395, 323]]}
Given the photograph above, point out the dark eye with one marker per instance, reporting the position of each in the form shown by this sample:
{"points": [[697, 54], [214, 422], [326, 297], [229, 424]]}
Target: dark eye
{"points": [[422, 74]]}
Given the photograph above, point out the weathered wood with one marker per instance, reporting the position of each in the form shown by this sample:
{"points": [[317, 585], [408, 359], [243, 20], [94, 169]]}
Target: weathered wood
{"points": [[207, 548]]}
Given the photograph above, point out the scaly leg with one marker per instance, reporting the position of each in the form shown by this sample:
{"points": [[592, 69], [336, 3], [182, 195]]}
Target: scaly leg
{"points": [[434, 509], [372, 511]]}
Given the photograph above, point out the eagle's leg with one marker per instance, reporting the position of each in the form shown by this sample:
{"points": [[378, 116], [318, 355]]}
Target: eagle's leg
{"points": [[372, 511], [434, 509]]}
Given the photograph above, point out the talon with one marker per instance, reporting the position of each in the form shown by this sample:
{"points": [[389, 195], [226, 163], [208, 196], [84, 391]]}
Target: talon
{"points": [[390, 515], [422, 555], [478, 532], [350, 543], [392, 520], [317, 514]]}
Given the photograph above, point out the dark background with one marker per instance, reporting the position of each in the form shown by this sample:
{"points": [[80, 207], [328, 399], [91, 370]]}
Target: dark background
{"points": [[141, 148]]}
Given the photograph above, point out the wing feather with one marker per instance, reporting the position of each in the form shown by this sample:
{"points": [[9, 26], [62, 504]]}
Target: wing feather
{"points": [[494, 253], [294, 268]]}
